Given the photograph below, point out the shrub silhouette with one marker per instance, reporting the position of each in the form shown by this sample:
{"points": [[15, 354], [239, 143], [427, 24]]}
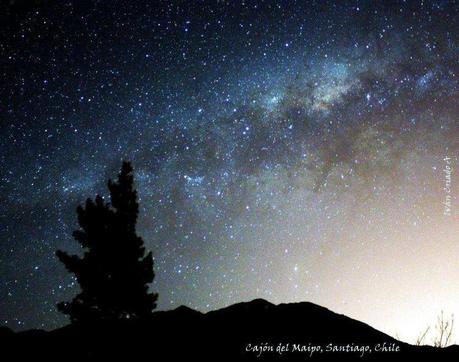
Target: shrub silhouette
{"points": [[114, 271]]}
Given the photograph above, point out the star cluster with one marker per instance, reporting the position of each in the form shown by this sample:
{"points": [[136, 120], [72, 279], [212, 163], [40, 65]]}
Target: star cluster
{"points": [[289, 150]]}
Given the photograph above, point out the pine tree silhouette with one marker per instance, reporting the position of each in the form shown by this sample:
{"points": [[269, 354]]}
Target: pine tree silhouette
{"points": [[114, 271]]}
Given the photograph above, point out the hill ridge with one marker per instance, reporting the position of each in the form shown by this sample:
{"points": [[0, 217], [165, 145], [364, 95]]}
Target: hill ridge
{"points": [[229, 333]]}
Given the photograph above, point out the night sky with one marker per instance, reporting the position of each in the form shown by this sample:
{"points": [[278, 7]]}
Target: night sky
{"points": [[292, 151]]}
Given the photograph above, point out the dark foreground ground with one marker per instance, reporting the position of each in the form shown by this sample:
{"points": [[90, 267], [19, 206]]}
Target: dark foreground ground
{"points": [[253, 331]]}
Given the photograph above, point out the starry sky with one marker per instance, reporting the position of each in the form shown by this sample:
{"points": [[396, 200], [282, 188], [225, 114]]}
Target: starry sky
{"points": [[287, 150]]}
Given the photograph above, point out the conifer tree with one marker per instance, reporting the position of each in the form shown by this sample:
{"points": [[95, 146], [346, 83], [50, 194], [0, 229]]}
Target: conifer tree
{"points": [[114, 271]]}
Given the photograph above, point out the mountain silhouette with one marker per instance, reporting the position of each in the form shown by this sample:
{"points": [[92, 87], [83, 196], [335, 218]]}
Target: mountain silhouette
{"points": [[250, 331]]}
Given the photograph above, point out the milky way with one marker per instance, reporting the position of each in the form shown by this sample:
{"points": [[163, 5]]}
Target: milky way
{"points": [[284, 150]]}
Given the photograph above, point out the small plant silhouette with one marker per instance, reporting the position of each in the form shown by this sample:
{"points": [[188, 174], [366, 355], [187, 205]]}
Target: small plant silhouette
{"points": [[444, 328], [443, 332], [114, 271]]}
